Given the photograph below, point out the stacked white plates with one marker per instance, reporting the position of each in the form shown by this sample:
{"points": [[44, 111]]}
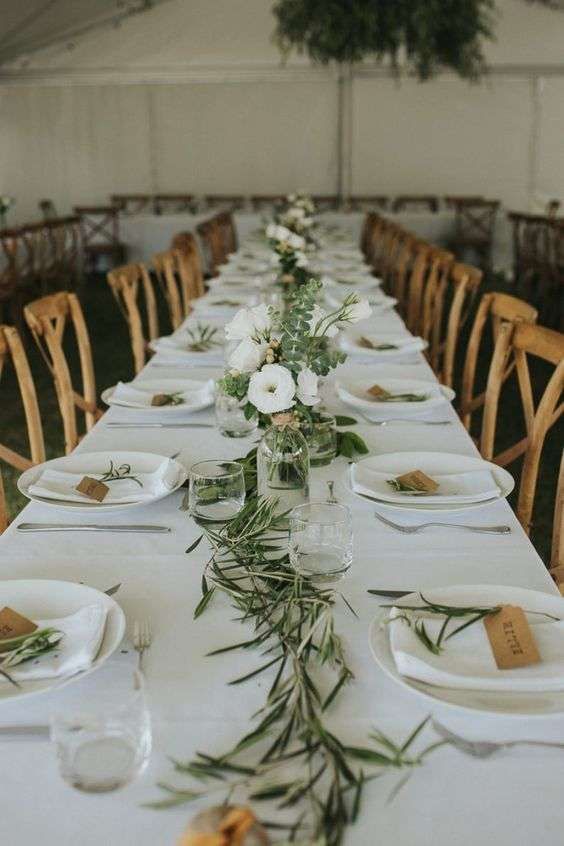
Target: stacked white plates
{"points": [[465, 482], [54, 482], [195, 395], [464, 675], [354, 392]]}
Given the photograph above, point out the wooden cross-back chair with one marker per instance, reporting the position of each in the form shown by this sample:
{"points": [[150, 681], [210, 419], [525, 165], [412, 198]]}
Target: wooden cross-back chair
{"points": [[173, 284], [428, 306], [99, 229], [371, 222], [10, 293], [447, 308], [126, 284], [212, 244], [557, 557], [416, 202], [47, 319], [375, 242], [398, 276], [474, 226], [3, 508], [494, 309], [228, 231], [521, 341], [409, 285], [186, 243], [132, 203], [363, 202], [12, 350], [173, 203]]}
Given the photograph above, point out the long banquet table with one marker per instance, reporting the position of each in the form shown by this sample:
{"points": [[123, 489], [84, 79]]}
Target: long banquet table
{"points": [[513, 799]]}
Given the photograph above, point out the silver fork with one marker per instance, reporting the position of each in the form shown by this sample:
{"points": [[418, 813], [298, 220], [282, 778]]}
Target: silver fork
{"points": [[142, 639], [412, 530], [403, 420], [486, 748]]}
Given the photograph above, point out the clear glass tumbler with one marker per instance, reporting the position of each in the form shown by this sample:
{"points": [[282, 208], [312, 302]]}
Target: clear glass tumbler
{"points": [[217, 489], [106, 744], [321, 540]]}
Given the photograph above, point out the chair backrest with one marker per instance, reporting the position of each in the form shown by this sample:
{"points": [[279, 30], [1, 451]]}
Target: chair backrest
{"points": [[474, 219], [494, 309], [557, 557], [12, 350], [173, 284], [3, 507], [228, 231], [398, 276], [188, 246], [360, 202], [522, 340], [212, 244], [229, 201], [173, 203], [47, 318], [132, 203], [98, 225], [47, 209], [126, 284], [416, 202], [428, 305], [453, 296]]}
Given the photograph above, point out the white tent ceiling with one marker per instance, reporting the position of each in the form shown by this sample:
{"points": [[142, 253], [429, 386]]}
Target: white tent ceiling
{"points": [[35, 24]]}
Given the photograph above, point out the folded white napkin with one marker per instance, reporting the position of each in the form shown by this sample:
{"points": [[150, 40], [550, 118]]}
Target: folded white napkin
{"points": [[58, 484], [403, 344], [83, 632], [357, 395], [177, 346], [467, 661], [138, 396], [472, 486]]}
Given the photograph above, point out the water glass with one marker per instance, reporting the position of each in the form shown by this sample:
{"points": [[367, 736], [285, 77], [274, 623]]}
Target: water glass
{"points": [[230, 416], [321, 540], [217, 490], [106, 744]]}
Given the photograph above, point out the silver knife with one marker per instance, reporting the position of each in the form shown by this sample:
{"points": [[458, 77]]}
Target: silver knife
{"points": [[161, 425], [88, 527], [24, 733]]}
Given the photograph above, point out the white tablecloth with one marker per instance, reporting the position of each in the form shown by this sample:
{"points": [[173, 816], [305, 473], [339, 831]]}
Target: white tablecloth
{"points": [[512, 800]]}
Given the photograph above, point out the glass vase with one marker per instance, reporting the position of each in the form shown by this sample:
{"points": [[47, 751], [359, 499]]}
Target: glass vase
{"points": [[321, 436], [283, 467], [230, 416]]}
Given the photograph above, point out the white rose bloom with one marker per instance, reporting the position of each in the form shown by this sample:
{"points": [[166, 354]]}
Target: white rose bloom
{"points": [[359, 310], [295, 241], [248, 356], [307, 387], [249, 323], [318, 324], [271, 231], [272, 389], [301, 259]]}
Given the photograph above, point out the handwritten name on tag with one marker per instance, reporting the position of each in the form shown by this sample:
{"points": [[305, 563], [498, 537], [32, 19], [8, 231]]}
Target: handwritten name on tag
{"points": [[511, 639], [13, 624], [93, 488]]}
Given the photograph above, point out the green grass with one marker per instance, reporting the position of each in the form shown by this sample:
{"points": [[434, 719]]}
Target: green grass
{"points": [[112, 360]]}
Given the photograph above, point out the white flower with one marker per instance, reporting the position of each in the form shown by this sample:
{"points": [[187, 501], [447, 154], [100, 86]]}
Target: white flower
{"points": [[358, 310], [272, 389], [319, 325], [307, 387], [301, 259], [271, 230], [295, 241], [248, 356], [249, 323]]}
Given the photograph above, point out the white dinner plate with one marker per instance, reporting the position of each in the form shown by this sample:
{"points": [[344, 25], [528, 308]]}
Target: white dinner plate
{"points": [[161, 386], [348, 341], [42, 599], [397, 463], [98, 463], [353, 393], [542, 704]]}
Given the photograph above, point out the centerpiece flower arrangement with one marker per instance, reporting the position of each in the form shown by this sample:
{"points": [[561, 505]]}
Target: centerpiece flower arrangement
{"points": [[299, 215], [289, 254], [274, 372]]}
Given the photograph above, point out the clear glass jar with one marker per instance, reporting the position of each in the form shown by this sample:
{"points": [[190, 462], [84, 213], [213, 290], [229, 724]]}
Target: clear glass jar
{"points": [[283, 466], [230, 416], [321, 437]]}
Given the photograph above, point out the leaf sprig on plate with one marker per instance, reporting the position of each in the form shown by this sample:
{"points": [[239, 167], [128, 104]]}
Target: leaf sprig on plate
{"points": [[118, 473], [28, 646], [473, 613], [290, 755], [202, 338], [174, 398]]}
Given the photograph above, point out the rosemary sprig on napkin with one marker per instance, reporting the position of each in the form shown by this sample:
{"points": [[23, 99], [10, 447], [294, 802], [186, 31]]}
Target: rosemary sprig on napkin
{"points": [[119, 473], [26, 647], [202, 338], [174, 398]]}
